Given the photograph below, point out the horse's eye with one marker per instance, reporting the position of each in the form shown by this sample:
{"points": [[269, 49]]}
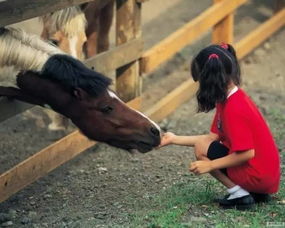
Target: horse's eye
{"points": [[106, 109], [54, 42]]}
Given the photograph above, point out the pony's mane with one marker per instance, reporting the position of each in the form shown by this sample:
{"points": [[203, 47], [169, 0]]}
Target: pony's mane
{"points": [[71, 73], [70, 20], [29, 52], [24, 51]]}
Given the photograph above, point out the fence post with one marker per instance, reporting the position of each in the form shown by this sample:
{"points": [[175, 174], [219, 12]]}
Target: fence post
{"points": [[128, 27], [278, 5], [223, 31]]}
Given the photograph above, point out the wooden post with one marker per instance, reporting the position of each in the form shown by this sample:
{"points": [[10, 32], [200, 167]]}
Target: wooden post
{"points": [[223, 31], [278, 5], [128, 21]]}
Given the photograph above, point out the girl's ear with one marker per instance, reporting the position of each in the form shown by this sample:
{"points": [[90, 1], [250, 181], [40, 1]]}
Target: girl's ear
{"points": [[80, 94]]}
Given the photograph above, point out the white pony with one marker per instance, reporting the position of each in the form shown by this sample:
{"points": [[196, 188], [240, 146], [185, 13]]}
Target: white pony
{"points": [[66, 29]]}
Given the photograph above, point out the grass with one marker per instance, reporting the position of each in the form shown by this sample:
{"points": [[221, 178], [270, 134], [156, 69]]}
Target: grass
{"points": [[276, 120], [190, 203]]}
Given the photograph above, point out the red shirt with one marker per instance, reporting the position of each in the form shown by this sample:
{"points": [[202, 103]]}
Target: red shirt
{"points": [[241, 127]]}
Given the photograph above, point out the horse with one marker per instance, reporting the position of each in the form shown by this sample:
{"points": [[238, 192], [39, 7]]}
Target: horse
{"points": [[71, 89], [82, 31]]}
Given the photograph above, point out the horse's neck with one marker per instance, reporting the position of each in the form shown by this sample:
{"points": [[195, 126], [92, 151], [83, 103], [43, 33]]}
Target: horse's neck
{"points": [[23, 51]]}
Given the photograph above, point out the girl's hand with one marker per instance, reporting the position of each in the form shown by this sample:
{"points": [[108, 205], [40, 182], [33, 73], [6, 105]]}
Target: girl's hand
{"points": [[200, 167], [167, 139]]}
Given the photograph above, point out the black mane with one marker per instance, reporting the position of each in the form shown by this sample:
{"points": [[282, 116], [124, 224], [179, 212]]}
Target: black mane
{"points": [[72, 73]]}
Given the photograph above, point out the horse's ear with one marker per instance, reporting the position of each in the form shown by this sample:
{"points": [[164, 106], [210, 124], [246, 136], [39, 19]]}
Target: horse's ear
{"points": [[80, 94]]}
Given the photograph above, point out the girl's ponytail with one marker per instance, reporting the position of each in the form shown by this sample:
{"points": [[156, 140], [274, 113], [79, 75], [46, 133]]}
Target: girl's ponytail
{"points": [[236, 71], [215, 67], [213, 84]]}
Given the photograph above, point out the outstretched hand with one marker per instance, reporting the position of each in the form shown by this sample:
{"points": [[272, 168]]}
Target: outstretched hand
{"points": [[200, 167], [167, 138]]}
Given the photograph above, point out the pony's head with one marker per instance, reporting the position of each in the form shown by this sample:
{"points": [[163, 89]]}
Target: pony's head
{"points": [[75, 91], [100, 116], [66, 29]]}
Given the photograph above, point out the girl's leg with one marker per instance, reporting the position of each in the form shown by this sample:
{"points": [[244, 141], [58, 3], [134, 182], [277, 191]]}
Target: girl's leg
{"points": [[238, 197], [201, 146]]}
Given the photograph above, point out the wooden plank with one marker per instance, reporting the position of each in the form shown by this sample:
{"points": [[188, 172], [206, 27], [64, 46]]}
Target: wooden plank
{"points": [[13, 11], [187, 34], [128, 18], [105, 63], [259, 35], [45, 161], [121, 55], [224, 30], [174, 99], [135, 103], [142, 1]]}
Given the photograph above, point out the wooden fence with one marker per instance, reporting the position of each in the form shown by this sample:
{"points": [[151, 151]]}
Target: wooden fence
{"points": [[130, 63]]}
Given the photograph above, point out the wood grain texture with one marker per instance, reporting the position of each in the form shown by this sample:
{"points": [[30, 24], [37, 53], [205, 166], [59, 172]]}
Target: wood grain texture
{"points": [[128, 21], [223, 31]]}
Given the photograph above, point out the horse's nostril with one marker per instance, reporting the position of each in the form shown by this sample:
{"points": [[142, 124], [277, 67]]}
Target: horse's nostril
{"points": [[155, 131]]}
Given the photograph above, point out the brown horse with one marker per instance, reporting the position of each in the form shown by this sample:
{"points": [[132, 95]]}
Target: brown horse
{"points": [[103, 117], [73, 90], [80, 30]]}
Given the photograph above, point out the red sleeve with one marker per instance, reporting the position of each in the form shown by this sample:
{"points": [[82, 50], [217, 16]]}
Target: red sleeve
{"points": [[238, 131], [214, 126]]}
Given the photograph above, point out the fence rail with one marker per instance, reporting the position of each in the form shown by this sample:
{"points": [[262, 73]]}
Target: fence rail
{"points": [[13, 11]]}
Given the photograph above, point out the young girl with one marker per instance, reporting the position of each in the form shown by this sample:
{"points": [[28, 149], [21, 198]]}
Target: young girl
{"points": [[239, 151]]}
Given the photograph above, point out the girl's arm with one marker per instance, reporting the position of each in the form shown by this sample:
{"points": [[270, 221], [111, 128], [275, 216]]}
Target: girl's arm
{"points": [[234, 159], [171, 138]]}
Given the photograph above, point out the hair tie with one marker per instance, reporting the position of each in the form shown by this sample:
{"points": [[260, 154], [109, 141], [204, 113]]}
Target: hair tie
{"points": [[213, 56], [224, 45]]}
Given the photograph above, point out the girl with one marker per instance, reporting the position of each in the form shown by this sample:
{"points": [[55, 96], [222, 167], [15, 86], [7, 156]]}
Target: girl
{"points": [[239, 151]]}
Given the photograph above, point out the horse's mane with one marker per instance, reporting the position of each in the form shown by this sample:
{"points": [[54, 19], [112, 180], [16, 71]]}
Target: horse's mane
{"points": [[24, 51], [72, 73], [70, 20], [29, 52]]}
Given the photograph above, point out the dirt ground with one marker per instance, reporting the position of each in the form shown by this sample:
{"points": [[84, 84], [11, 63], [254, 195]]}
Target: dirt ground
{"points": [[103, 186]]}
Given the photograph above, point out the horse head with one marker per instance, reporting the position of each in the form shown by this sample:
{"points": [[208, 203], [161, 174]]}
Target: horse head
{"points": [[103, 117], [66, 29]]}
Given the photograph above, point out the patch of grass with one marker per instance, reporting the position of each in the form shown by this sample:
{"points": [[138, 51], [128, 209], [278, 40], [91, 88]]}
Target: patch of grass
{"points": [[190, 204], [277, 121]]}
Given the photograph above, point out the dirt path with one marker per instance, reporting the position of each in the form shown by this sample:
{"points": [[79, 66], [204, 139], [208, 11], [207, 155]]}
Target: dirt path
{"points": [[104, 186]]}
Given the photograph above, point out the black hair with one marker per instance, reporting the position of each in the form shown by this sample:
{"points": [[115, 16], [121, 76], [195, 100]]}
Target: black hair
{"points": [[71, 74], [214, 74]]}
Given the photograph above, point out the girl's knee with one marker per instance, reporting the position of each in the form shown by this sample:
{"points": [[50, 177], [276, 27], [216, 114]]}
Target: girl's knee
{"points": [[201, 147]]}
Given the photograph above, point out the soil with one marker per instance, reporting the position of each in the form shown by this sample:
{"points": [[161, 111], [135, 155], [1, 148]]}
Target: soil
{"points": [[102, 186]]}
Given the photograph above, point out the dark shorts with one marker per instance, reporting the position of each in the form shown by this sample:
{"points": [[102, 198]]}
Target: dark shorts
{"points": [[217, 150]]}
